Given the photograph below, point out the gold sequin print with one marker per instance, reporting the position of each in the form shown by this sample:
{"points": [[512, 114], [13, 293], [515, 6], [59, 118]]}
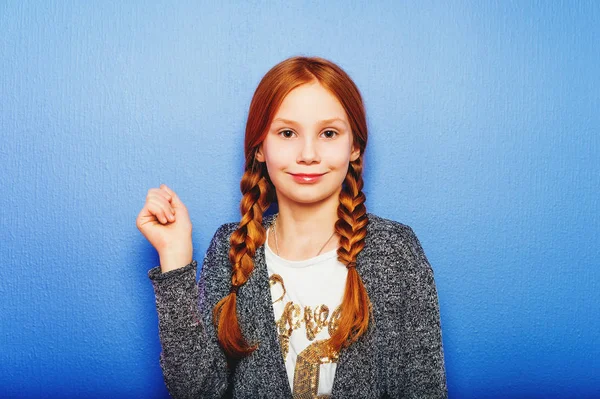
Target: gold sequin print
{"points": [[275, 279], [334, 321], [308, 362], [315, 321], [287, 323], [308, 368]]}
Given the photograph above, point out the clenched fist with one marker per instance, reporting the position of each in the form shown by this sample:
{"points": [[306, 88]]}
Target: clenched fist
{"points": [[165, 222]]}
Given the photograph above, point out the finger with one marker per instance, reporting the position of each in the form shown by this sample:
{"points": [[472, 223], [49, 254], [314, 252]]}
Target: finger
{"points": [[161, 192], [157, 192], [156, 212], [162, 200], [144, 217], [165, 206], [174, 197], [161, 210]]}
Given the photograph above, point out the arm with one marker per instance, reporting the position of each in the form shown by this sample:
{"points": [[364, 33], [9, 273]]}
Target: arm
{"points": [[192, 361], [420, 358]]}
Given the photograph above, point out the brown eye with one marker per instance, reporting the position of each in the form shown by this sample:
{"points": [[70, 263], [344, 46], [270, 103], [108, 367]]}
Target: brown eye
{"points": [[285, 134], [332, 133]]}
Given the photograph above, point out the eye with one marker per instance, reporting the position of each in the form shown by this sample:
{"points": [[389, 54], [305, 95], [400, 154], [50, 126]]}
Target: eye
{"points": [[332, 133], [286, 133]]}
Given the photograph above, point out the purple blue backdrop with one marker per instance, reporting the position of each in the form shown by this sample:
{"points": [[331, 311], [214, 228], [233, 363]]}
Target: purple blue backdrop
{"points": [[484, 137]]}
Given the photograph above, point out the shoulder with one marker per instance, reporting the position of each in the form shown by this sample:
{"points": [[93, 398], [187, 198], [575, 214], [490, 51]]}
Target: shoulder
{"points": [[378, 224], [390, 237], [222, 235], [217, 252], [394, 263], [388, 232], [219, 243], [224, 231]]}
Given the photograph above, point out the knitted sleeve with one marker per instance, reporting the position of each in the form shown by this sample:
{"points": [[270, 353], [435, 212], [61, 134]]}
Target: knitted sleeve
{"points": [[192, 362], [417, 367]]}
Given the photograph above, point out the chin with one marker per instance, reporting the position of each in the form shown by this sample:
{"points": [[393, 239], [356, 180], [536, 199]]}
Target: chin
{"points": [[310, 196]]}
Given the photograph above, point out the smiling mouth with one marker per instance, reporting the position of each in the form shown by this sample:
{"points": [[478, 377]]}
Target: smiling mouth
{"points": [[307, 175], [304, 178]]}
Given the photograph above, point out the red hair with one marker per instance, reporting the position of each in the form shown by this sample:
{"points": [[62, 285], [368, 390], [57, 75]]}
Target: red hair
{"points": [[258, 193]]}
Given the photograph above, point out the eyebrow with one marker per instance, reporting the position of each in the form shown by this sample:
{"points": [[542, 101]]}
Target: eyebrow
{"points": [[323, 122]]}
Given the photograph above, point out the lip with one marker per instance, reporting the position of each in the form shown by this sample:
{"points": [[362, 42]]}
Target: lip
{"points": [[307, 174], [304, 178]]}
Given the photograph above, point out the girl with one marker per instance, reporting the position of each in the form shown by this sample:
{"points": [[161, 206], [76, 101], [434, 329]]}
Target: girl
{"points": [[319, 300]]}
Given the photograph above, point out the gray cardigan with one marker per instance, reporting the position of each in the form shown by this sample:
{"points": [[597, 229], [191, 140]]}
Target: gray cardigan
{"points": [[401, 355]]}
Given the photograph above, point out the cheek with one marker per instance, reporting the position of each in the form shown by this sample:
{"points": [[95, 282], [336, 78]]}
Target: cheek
{"points": [[337, 157], [277, 159]]}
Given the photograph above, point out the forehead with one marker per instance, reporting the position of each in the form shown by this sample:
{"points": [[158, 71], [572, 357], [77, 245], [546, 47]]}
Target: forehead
{"points": [[310, 102]]}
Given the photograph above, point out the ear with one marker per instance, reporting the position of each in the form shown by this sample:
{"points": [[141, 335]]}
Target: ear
{"points": [[259, 156], [354, 154]]}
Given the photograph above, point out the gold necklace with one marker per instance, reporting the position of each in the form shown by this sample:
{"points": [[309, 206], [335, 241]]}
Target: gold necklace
{"points": [[277, 246]]}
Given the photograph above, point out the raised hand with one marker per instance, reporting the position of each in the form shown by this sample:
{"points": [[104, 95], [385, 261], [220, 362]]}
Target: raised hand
{"points": [[165, 222]]}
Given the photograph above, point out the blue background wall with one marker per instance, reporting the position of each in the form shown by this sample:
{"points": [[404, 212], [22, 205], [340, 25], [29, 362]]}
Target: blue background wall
{"points": [[484, 137]]}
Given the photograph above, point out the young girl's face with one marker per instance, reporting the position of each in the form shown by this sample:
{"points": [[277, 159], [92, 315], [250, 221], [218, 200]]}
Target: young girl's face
{"points": [[309, 146]]}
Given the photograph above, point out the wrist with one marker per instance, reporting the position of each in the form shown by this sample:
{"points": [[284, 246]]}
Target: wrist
{"points": [[175, 258]]}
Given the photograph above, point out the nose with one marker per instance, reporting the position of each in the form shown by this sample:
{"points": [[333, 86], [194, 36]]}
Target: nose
{"points": [[308, 153]]}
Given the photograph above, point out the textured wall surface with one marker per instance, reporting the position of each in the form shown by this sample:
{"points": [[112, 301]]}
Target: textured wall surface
{"points": [[484, 137]]}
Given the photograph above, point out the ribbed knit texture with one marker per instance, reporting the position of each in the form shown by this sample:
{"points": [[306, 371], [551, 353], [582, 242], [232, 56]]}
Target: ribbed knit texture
{"points": [[401, 356]]}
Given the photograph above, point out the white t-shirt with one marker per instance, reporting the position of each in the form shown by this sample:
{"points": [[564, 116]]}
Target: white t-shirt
{"points": [[306, 295]]}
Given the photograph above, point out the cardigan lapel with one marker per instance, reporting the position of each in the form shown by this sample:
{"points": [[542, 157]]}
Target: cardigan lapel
{"points": [[354, 374], [268, 333], [350, 373], [255, 311]]}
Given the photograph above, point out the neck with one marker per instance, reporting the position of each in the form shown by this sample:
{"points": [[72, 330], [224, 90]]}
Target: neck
{"points": [[303, 229]]}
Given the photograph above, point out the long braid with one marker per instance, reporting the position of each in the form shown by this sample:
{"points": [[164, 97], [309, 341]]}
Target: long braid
{"points": [[352, 228], [244, 241]]}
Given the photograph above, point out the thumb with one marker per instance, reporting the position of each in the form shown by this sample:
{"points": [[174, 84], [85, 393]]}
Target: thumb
{"points": [[175, 201]]}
